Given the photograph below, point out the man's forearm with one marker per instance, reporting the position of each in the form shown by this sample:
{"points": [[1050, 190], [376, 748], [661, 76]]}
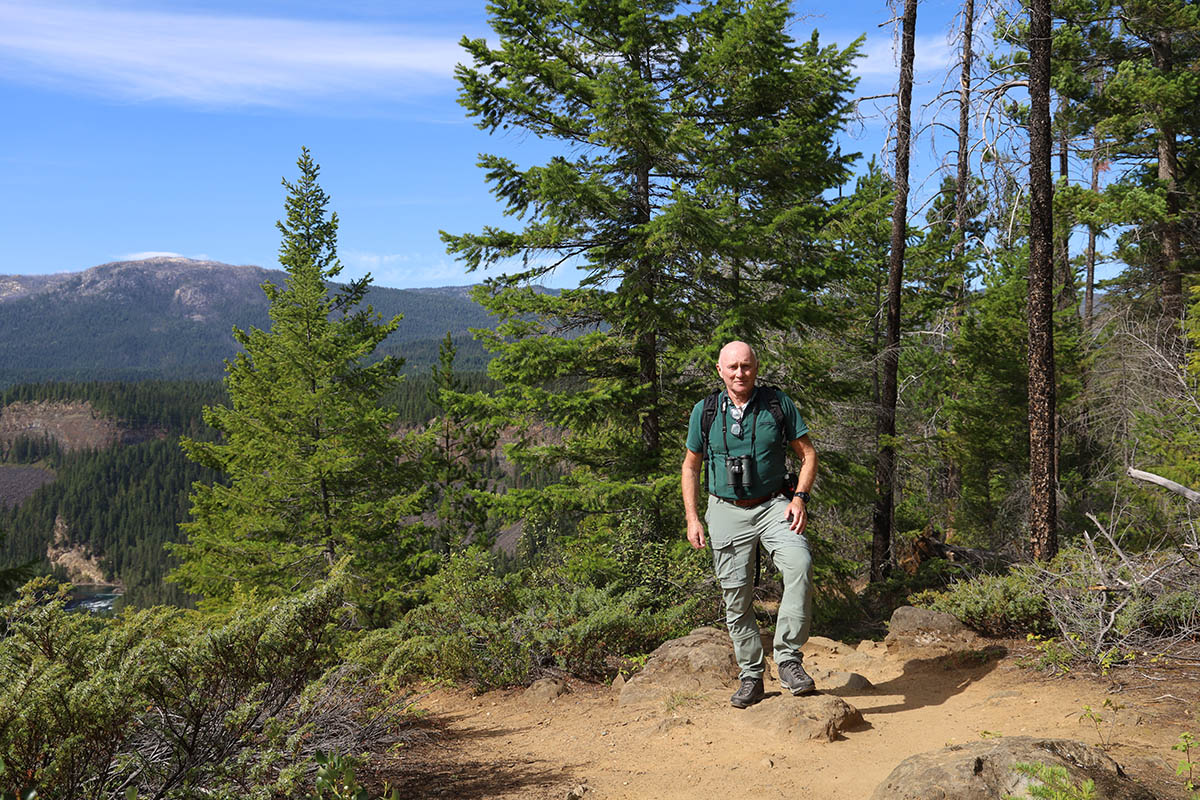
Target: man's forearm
{"points": [[691, 490]]}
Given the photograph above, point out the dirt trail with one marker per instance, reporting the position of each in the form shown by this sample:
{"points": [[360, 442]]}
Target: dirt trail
{"points": [[509, 745]]}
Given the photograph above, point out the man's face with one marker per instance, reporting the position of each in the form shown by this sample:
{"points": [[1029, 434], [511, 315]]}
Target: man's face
{"points": [[738, 369]]}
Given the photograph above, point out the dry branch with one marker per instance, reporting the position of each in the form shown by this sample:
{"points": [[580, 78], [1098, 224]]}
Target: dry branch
{"points": [[1191, 494]]}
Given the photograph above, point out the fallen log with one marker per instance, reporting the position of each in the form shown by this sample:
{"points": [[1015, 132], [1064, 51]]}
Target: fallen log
{"points": [[1166, 483]]}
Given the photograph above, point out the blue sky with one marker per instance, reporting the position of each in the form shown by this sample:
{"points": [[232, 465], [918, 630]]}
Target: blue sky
{"points": [[142, 127]]}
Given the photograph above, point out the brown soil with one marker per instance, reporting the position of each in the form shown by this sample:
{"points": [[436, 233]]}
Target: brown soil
{"points": [[506, 744]]}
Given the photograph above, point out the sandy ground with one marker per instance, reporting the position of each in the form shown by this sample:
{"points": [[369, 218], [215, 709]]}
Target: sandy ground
{"points": [[509, 745]]}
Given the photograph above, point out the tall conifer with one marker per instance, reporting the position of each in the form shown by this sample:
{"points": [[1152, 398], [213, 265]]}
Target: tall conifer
{"points": [[696, 142], [313, 472]]}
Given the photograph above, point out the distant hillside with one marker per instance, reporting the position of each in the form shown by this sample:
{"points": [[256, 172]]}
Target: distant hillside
{"points": [[171, 318]]}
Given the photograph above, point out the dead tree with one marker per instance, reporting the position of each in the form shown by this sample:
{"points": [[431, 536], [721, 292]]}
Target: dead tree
{"points": [[885, 428], [1043, 509]]}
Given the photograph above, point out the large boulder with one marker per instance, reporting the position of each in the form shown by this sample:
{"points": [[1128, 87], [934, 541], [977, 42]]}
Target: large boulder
{"points": [[698, 662], [987, 769], [923, 632], [819, 717]]}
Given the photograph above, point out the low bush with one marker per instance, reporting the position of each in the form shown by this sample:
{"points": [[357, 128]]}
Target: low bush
{"points": [[996, 605], [492, 630], [164, 702]]}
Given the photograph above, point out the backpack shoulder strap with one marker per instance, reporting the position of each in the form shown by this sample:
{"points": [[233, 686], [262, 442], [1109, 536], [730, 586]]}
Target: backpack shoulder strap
{"points": [[708, 414], [775, 407]]}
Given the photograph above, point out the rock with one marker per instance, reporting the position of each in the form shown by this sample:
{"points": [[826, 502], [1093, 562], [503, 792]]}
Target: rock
{"points": [[698, 662], [618, 683], [871, 648], [767, 763], [547, 689], [927, 631], [832, 680], [578, 792], [985, 770], [821, 717], [819, 645]]}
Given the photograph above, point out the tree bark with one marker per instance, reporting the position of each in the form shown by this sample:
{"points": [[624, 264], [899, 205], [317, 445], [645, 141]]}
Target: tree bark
{"points": [[885, 464], [1043, 510], [962, 188], [1171, 282], [1090, 285], [1062, 245]]}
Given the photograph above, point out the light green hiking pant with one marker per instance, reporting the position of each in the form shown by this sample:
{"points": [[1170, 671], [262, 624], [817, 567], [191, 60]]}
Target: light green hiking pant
{"points": [[734, 533]]}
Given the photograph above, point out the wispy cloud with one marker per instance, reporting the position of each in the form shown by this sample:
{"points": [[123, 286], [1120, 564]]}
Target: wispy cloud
{"points": [[881, 59], [142, 256], [406, 270], [213, 60]]}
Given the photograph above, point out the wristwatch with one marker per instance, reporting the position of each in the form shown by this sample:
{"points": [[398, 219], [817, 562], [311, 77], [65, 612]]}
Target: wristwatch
{"points": [[802, 495]]}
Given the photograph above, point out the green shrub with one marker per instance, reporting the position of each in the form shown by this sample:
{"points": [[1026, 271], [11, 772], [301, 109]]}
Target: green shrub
{"points": [[996, 605], [492, 630], [175, 703]]}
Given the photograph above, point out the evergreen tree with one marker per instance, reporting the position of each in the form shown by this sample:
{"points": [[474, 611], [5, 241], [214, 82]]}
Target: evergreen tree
{"points": [[314, 473], [699, 141]]}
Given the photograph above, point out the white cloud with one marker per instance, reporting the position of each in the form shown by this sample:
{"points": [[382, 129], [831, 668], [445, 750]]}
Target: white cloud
{"points": [[881, 59], [142, 256], [213, 60], [407, 270]]}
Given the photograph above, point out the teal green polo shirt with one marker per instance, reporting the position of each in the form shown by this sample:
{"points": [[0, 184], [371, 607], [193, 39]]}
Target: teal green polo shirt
{"points": [[760, 438]]}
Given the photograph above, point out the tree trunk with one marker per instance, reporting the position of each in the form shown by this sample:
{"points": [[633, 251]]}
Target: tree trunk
{"points": [[1062, 244], [646, 345], [1090, 286], [885, 465], [1171, 283], [1043, 511], [962, 188]]}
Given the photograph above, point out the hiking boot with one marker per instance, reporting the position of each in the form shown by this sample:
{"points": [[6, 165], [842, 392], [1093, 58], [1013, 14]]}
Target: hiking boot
{"points": [[793, 677], [749, 693]]}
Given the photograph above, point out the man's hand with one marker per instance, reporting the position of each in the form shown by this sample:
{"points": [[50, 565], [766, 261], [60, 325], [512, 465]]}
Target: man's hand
{"points": [[797, 515], [695, 533]]}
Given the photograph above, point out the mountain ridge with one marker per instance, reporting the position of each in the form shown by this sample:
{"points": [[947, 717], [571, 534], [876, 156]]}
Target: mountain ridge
{"points": [[171, 317]]}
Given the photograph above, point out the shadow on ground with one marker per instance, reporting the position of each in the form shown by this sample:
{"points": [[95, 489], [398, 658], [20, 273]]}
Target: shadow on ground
{"points": [[959, 670], [436, 763]]}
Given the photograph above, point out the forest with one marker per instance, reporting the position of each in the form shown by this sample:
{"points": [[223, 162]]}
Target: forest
{"points": [[973, 389]]}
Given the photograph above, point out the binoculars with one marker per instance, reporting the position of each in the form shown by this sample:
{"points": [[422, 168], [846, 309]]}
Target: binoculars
{"points": [[738, 470]]}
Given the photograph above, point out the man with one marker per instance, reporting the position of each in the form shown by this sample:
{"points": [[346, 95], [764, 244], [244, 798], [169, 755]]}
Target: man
{"points": [[745, 455]]}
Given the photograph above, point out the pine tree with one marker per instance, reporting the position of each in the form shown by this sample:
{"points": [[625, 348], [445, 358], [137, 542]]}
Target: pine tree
{"points": [[313, 471], [698, 141]]}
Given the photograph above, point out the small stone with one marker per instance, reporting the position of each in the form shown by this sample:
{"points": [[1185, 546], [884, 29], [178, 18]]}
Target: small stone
{"points": [[578, 792], [767, 763]]}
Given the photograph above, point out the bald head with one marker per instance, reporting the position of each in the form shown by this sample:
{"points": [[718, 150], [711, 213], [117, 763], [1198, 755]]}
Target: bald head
{"points": [[738, 367], [739, 351]]}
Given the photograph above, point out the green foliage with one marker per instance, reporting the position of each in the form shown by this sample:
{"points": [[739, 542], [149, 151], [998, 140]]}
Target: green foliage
{"points": [[313, 470], [1055, 783], [161, 700], [335, 780], [489, 630], [1105, 735], [463, 471], [695, 144], [1052, 655], [1186, 765], [997, 605]]}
